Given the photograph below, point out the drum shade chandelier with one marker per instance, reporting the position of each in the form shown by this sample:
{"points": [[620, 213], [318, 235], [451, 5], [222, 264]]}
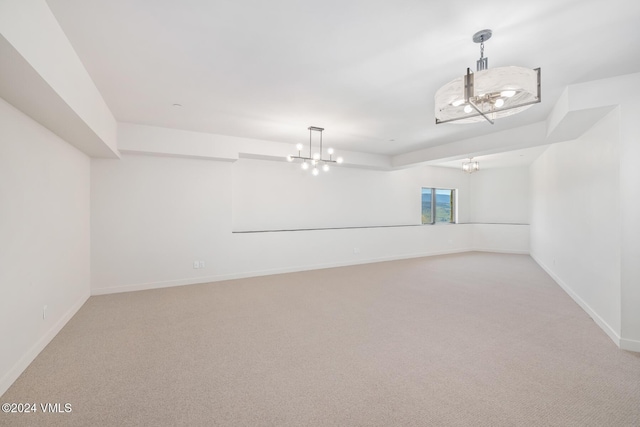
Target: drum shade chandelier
{"points": [[487, 94], [316, 161]]}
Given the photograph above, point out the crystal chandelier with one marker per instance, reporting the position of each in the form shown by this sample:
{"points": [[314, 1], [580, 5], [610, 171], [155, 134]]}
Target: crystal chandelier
{"points": [[470, 166], [487, 94], [316, 160]]}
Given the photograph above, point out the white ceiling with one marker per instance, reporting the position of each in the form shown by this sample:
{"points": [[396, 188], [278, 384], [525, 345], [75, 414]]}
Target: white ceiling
{"points": [[505, 159], [365, 70]]}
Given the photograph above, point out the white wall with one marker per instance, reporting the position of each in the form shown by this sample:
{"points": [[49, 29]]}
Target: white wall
{"points": [[611, 294], [54, 88], [629, 210], [509, 238], [275, 195], [280, 195], [575, 219], [499, 209], [152, 216], [44, 238], [500, 195]]}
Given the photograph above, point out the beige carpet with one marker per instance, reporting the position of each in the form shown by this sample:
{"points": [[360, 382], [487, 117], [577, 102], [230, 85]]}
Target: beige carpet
{"points": [[472, 339]]}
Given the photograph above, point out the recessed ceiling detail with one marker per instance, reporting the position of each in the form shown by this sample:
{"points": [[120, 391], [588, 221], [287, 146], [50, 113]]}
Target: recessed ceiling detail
{"points": [[251, 70]]}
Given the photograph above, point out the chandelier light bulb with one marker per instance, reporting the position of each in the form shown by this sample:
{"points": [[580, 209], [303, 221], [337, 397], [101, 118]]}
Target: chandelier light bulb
{"points": [[470, 166], [488, 93], [314, 160]]}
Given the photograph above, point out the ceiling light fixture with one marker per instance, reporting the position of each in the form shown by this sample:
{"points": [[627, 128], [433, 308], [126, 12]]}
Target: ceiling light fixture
{"points": [[317, 159], [470, 166], [487, 94]]}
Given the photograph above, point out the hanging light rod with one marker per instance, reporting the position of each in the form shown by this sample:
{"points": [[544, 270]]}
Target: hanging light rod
{"points": [[488, 94], [317, 158]]}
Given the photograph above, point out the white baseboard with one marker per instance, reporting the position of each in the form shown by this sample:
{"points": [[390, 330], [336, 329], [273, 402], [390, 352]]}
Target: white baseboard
{"points": [[631, 345], [500, 251], [22, 364], [596, 318], [244, 275]]}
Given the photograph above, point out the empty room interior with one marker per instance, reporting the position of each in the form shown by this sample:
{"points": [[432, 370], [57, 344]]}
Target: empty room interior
{"points": [[346, 213]]}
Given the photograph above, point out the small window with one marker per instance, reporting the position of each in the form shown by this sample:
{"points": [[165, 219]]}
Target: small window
{"points": [[438, 205]]}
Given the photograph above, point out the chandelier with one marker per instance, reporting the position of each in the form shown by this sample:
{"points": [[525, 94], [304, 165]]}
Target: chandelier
{"points": [[470, 166], [317, 159], [487, 94]]}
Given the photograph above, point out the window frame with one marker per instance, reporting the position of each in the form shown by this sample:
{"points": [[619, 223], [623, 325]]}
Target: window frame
{"points": [[454, 206]]}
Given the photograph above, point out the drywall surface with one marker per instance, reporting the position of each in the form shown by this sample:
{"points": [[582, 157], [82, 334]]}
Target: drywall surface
{"points": [[44, 238], [276, 196], [500, 195], [152, 217], [509, 238], [46, 80], [606, 231], [575, 219]]}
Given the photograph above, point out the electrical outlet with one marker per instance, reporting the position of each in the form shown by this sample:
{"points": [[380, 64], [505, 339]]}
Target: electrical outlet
{"points": [[201, 264], [196, 264], [356, 250], [44, 312]]}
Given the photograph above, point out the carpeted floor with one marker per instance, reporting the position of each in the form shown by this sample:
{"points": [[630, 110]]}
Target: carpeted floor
{"points": [[474, 339]]}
